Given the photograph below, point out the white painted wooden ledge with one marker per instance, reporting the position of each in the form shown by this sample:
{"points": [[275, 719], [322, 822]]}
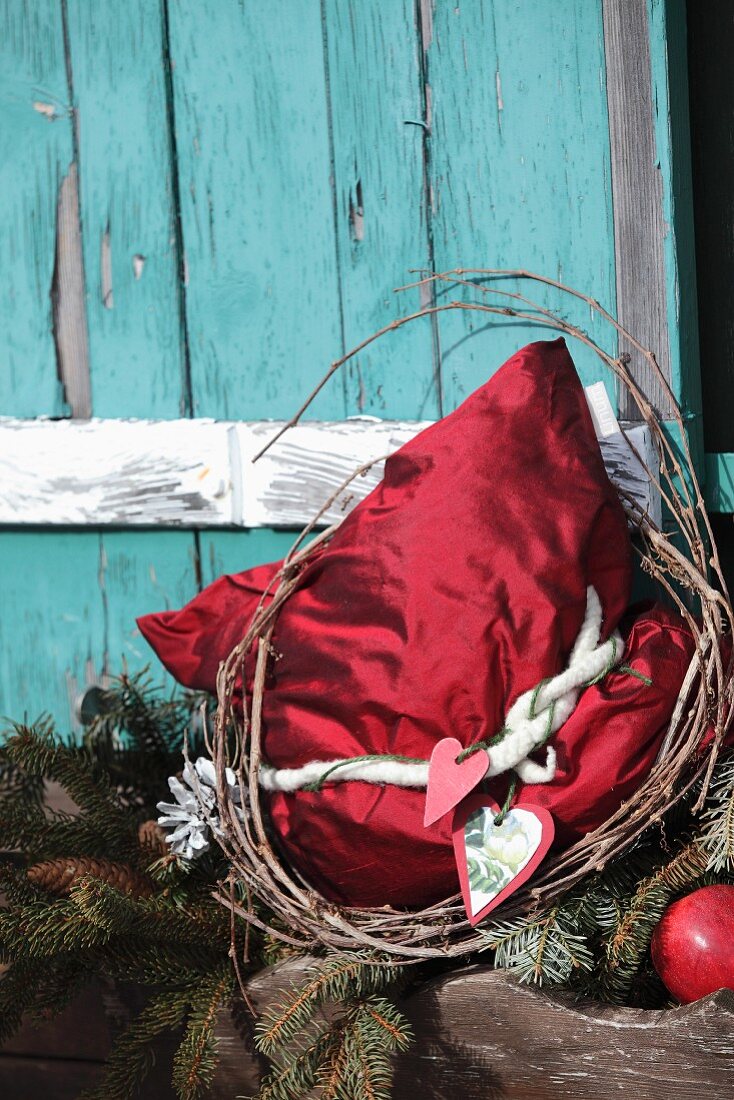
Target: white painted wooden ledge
{"points": [[199, 473]]}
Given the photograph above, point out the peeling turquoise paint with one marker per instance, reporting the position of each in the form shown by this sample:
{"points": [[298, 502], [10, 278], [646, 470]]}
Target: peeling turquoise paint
{"points": [[35, 153], [253, 186], [520, 168]]}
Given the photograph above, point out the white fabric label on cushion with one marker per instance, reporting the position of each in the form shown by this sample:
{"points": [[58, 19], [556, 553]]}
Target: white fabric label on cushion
{"points": [[602, 413]]}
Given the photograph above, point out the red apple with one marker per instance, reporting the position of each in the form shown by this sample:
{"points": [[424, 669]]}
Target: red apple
{"points": [[693, 945]]}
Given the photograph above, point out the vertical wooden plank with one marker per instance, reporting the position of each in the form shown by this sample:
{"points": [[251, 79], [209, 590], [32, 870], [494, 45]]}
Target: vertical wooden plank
{"points": [[520, 166], [668, 57], [132, 270], [637, 187], [138, 362], [378, 131], [128, 213], [52, 628], [258, 221], [141, 572], [35, 157], [235, 551], [257, 215]]}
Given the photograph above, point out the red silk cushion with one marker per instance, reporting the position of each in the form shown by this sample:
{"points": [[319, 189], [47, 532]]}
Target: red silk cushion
{"points": [[366, 845], [458, 584]]}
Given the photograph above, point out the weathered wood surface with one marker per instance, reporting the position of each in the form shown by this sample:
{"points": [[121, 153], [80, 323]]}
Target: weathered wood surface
{"points": [[519, 166], [56, 1060], [250, 189], [637, 188], [184, 473], [479, 1035]]}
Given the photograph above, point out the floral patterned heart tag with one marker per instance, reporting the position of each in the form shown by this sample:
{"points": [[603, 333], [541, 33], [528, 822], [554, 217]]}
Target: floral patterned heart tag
{"points": [[494, 860]]}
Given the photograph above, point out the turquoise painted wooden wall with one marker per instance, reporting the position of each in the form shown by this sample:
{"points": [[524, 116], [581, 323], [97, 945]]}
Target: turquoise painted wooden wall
{"points": [[254, 180]]}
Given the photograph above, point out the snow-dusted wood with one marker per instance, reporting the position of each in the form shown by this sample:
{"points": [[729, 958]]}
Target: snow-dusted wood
{"points": [[200, 473]]}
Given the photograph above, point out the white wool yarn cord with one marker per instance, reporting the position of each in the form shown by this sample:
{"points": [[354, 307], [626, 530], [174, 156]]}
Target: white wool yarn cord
{"points": [[531, 720]]}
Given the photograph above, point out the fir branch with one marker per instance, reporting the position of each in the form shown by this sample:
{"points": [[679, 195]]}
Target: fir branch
{"points": [[43, 929], [375, 1031], [38, 753], [302, 1070], [391, 1028], [15, 783], [339, 978], [18, 987], [196, 1058], [545, 950], [64, 834], [628, 942], [717, 837], [332, 1072], [153, 726], [133, 1054], [128, 958], [157, 919]]}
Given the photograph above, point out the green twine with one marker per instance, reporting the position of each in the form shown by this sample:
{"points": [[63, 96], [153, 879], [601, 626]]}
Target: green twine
{"points": [[318, 783], [637, 675], [508, 799]]}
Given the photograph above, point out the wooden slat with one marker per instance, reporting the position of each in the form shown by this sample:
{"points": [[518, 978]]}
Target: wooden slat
{"points": [[519, 168], [42, 1078], [117, 70], [637, 187], [257, 214], [136, 328], [36, 153], [480, 1034], [200, 473], [376, 114], [58, 1058], [52, 628], [74, 597]]}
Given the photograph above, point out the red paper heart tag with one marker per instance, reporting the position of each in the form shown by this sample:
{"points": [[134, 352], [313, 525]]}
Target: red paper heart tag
{"points": [[449, 782], [494, 860]]}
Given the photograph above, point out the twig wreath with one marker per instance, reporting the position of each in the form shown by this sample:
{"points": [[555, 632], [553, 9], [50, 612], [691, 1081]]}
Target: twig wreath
{"points": [[683, 559]]}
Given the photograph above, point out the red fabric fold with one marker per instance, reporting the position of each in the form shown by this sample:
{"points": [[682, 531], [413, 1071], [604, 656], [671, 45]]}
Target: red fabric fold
{"points": [[362, 844], [458, 584]]}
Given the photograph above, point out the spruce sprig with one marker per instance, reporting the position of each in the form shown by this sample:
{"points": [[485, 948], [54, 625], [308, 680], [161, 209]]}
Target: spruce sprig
{"points": [[628, 941], [351, 1058], [339, 978], [39, 753], [196, 1058], [154, 918], [304, 1068], [133, 1055], [544, 950]]}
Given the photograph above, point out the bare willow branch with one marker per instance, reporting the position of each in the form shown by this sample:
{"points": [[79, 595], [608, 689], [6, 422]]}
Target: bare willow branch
{"points": [[682, 559]]}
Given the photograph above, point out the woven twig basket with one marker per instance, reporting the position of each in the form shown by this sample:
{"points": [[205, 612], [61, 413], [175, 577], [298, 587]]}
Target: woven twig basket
{"points": [[682, 559]]}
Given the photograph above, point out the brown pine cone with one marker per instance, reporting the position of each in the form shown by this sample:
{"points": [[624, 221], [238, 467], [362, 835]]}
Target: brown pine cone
{"points": [[59, 876], [152, 837]]}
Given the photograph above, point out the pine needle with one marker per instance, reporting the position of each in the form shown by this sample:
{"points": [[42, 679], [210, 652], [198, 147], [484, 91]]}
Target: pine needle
{"points": [[338, 978], [195, 1060], [133, 1055], [544, 951]]}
